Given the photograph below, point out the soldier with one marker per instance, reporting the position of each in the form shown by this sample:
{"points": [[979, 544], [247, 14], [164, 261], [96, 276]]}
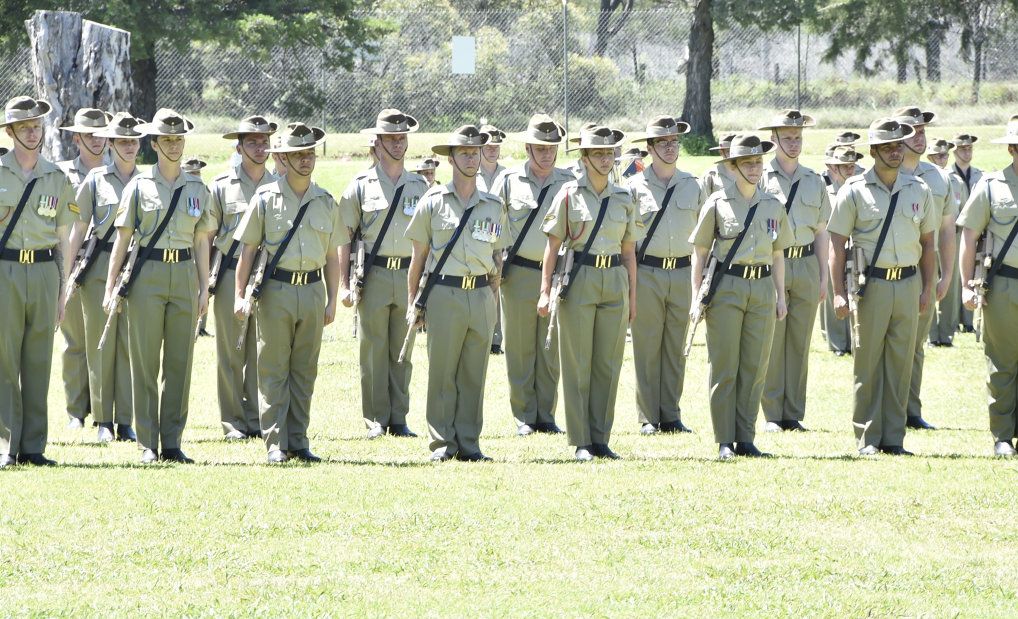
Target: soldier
{"points": [[36, 208], [841, 163], [168, 210], [427, 169], [526, 192], [807, 207], [891, 217], [669, 202], [371, 151], [376, 207], [279, 160], [91, 154], [970, 175], [991, 211], [597, 220], [945, 213], [947, 315], [576, 169], [299, 225], [631, 162], [490, 170], [194, 167], [746, 230], [846, 138], [232, 193], [98, 199], [460, 315], [713, 178]]}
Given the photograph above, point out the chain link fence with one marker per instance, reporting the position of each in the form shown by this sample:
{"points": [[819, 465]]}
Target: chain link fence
{"points": [[520, 68]]}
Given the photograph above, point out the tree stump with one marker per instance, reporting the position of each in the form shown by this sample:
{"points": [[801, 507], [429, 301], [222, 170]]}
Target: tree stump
{"points": [[77, 63]]}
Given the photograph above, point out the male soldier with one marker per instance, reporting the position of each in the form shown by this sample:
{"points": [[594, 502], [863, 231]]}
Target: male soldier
{"points": [[164, 210], [841, 163], [946, 317], [807, 206], [893, 213], [992, 210], [376, 208], [669, 202], [490, 170], [846, 138], [970, 175], [36, 209], [464, 225], [299, 225], [526, 192], [232, 191], [98, 198], [427, 169], [945, 212], [714, 177], [194, 166], [91, 152]]}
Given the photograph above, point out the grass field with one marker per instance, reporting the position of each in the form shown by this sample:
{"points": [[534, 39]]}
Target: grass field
{"points": [[667, 531]]}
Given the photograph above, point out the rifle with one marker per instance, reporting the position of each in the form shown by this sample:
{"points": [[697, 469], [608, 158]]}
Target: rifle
{"points": [[83, 262], [217, 266], [856, 267], [559, 282], [984, 260], [413, 317], [121, 290], [699, 308], [252, 292], [357, 280]]}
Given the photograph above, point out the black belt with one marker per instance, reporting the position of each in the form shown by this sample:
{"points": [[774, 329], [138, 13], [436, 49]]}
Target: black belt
{"points": [[750, 271], [172, 255], [467, 282], [297, 278], [668, 264], [892, 274], [1008, 272], [530, 264], [602, 261], [799, 251], [28, 256], [392, 263]]}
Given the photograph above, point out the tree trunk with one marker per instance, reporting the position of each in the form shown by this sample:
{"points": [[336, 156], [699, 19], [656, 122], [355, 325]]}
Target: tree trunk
{"points": [[901, 59], [605, 30], [696, 108], [77, 63], [977, 69], [143, 105], [934, 37]]}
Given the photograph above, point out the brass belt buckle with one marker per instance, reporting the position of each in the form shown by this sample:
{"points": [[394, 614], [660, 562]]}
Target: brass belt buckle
{"points": [[669, 263], [602, 262], [795, 252], [893, 274], [751, 272], [392, 263], [468, 282], [26, 256], [299, 279], [171, 255]]}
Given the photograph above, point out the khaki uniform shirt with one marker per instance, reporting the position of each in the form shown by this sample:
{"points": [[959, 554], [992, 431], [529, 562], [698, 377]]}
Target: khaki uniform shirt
{"points": [[992, 207], [231, 195], [811, 207], [485, 181], [724, 216], [715, 178], [959, 193], [99, 197], [519, 192], [859, 212], [271, 214], [940, 188], [365, 204], [973, 176], [575, 209], [75, 171], [436, 219], [671, 238], [51, 204], [146, 199]]}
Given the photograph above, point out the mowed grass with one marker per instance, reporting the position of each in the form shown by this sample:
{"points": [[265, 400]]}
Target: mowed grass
{"points": [[667, 531]]}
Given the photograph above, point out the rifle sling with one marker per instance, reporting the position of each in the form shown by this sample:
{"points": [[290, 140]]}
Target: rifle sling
{"points": [[578, 262], [148, 249], [880, 242], [423, 300], [370, 260], [523, 232], [720, 272], [17, 213], [654, 224]]}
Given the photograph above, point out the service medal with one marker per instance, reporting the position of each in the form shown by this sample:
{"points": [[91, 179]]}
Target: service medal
{"points": [[47, 206], [193, 207]]}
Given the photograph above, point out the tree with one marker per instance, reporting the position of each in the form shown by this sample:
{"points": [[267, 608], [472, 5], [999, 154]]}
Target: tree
{"points": [[607, 27], [696, 107], [981, 22], [331, 25]]}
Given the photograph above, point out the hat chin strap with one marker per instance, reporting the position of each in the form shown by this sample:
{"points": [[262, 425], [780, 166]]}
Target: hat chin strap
{"points": [[81, 141], [738, 169], [246, 155], [25, 146], [381, 143], [292, 168], [155, 144], [458, 168], [884, 161], [114, 148]]}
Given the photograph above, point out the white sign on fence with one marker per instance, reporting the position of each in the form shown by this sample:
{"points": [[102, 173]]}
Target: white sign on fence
{"points": [[464, 55]]}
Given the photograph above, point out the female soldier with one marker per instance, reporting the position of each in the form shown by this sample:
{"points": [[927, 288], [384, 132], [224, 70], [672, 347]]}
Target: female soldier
{"points": [[170, 288], [596, 219], [746, 230]]}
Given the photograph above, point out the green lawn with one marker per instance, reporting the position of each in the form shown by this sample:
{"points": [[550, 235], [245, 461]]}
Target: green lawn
{"points": [[668, 531]]}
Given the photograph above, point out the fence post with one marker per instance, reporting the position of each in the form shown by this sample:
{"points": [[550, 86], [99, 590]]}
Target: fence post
{"points": [[565, 63], [798, 66], [321, 71]]}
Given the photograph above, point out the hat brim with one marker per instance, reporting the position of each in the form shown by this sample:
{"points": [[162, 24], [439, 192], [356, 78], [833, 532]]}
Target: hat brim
{"points": [[83, 129], [907, 135], [283, 148], [524, 138], [113, 136], [151, 129], [39, 103], [1007, 139], [858, 156], [234, 135], [807, 121], [682, 129], [446, 149], [766, 145], [412, 127]]}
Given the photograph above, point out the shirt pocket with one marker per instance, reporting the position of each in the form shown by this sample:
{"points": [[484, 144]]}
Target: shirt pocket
{"points": [[322, 225], [809, 211], [615, 221], [1003, 210], [276, 227], [729, 226], [520, 209], [443, 225], [149, 213], [868, 217]]}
